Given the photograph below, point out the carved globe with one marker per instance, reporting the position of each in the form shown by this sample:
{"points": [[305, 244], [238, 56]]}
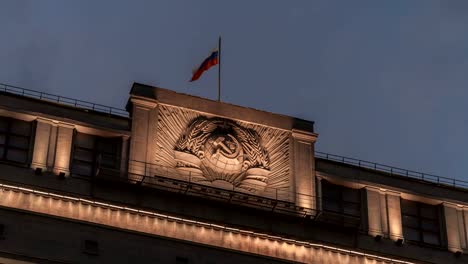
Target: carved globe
{"points": [[223, 155]]}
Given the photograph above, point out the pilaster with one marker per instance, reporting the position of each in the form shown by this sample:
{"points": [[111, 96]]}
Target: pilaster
{"points": [[374, 211], [384, 213], [304, 168], [319, 194], [141, 128], [124, 156], [395, 226], [63, 148], [464, 224], [52, 146], [454, 233], [41, 143]]}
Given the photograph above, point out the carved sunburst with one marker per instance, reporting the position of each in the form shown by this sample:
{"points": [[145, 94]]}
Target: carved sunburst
{"points": [[173, 122]]}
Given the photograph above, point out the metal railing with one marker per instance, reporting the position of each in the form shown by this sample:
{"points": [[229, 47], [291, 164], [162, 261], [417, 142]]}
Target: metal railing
{"points": [[394, 170], [352, 161], [279, 200], [62, 100], [192, 184], [151, 169], [162, 178]]}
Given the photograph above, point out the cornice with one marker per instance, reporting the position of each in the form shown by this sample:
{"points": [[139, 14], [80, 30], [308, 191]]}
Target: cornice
{"points": [[143, 102], [47, 121], [66, 125], [304, 135]]}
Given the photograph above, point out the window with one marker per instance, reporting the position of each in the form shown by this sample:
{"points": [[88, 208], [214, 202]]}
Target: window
{"points": [[341, 200], [2, 231], [91, 247], [15, 140], [181, 260], [92, 153], [421, 222]]}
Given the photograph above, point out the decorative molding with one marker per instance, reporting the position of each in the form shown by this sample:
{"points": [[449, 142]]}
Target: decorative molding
{"points": [[66, 125], [393, 193], [101, 132], [144, 103], [18, 115], [222, 152], [304, 135], [382, 190], [451, 205], [47, 121], [373, 188]]}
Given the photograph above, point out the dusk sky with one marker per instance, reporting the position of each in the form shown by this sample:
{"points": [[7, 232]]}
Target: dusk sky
{"points": [[385, 81]]}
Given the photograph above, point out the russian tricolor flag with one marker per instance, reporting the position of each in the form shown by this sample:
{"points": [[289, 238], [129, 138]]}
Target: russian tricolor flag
{"points": [[209, 62]]}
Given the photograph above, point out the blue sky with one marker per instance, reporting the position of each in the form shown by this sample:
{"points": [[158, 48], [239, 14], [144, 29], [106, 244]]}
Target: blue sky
{"points": [[384, 81]]}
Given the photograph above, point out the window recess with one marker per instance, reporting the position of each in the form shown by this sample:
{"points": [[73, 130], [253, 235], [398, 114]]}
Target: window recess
{"points": [[15, 140]]}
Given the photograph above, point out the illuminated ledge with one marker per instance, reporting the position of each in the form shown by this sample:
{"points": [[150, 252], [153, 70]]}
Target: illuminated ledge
{"points": [[179, 228]]}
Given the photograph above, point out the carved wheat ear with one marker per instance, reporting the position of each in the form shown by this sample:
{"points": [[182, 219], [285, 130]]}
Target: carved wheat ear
{"points": [[181, 143], [186, 141], [251, 145], [200, 139]]}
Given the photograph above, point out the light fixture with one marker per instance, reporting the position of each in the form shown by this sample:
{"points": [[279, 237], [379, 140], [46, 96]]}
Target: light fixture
{"points": [[399, 242], [38, 171], [61, 175], [91, 247]]}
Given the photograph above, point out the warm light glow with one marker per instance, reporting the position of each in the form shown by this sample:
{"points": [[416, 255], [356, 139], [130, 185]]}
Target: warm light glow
{"points": [[384, 213], [178, 228], [41, 145], [454, 230], [394, 217], [374, 212], [63, 151], [304, 173]]}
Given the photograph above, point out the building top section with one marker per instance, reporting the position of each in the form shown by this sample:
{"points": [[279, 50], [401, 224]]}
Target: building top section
{"points": [[395, 171], [163, 96], [387, 177], [99, 108], [29, 104]]}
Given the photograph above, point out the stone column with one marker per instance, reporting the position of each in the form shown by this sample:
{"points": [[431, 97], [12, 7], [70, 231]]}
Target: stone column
{"points": [[319, 201], [384, 213], [124, 156], [304, 168], [454, 234], [139, 143], [464, 215], [395, 227], [52, 146], [63, 148], [374, 211], [41, 143]]}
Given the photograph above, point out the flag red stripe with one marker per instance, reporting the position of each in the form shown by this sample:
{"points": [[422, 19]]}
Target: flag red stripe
{"points": [[209, 62]]}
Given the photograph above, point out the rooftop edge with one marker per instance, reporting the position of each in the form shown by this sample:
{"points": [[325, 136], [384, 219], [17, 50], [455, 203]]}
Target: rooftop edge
{"points": [[206, 105]]}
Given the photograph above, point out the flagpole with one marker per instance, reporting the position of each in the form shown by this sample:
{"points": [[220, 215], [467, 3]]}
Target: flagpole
{"points": [[219, 69]]}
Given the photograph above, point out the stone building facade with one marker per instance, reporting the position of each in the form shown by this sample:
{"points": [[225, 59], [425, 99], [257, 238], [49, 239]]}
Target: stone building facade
{"points": [[182, 179]]}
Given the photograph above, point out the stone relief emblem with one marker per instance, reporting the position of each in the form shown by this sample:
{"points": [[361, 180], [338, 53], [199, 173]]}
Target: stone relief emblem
{"points": [[220, 152]]}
